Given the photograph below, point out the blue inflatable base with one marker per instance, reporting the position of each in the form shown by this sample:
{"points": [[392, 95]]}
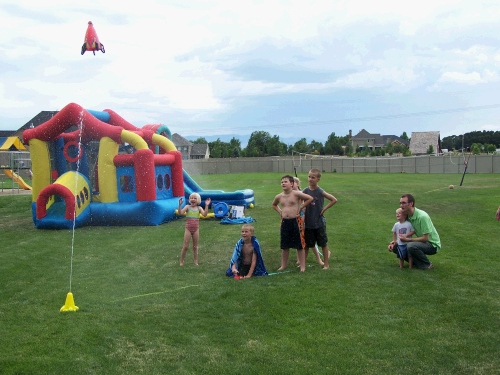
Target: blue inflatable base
{"points": [[110, 214]]}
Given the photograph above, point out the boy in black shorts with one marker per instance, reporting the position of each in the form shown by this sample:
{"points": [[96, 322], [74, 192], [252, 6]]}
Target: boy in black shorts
{"points": [[288, 204], [315, 222]]}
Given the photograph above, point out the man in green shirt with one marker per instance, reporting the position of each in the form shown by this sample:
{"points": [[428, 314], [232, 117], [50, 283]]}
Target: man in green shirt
{"points": [[427, 240]]}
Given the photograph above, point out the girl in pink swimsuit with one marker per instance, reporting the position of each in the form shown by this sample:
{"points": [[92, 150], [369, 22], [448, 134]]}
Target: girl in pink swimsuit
{"points": [[192, 211]]}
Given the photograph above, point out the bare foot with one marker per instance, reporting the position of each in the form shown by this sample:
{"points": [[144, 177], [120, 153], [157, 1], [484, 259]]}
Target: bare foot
{"points": [[326, 267], [181, 263], [196, 264], [281, 268], [302, 270], [320, 262], [431, 266]]}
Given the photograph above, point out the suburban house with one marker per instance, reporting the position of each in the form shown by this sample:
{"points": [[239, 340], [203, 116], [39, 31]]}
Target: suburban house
{"points": [[374, 141], [190, 150], [421, 141]]}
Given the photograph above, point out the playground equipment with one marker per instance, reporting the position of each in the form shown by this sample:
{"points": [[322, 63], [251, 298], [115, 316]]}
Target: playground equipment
{"points": [[14, 165], [108, 172], [18, 179]]}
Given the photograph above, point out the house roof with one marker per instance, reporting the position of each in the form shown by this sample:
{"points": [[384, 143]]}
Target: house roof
{"points": [[6, 133], [180, 141], [395, 138], [420, 142], [363, 134], [42, 117], [379, 140]]}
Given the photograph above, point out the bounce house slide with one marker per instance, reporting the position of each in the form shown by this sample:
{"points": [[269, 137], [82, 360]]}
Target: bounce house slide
{"points": [[236, 198], [17, 178]]}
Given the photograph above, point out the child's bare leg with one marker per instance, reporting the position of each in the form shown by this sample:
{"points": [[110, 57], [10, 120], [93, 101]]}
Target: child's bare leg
{"points": [[187, 238], [410, 261], [302, 259], [196, 237], [318, 257], [183, 256], [284, 259], [195, 255], [401, 263], [326, 257], [298, 261]]}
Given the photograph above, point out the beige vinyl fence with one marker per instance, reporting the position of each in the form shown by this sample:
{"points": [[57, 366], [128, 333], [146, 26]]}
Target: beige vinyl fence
{"points": [[412, 164]]}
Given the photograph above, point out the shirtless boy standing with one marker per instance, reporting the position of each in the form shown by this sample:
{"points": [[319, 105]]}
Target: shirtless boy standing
{"points": [[288, 205]]}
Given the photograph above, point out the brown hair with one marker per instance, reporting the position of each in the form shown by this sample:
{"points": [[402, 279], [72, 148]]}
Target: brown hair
{"points": [[316, 171], [288, 177], [410, 199]]}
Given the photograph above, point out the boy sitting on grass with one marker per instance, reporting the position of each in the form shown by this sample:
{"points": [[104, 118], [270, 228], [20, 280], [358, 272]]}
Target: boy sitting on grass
{"points": [[247, 257]]}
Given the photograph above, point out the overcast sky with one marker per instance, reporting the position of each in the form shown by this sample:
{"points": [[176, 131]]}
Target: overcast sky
{"points": [[291, 68]]}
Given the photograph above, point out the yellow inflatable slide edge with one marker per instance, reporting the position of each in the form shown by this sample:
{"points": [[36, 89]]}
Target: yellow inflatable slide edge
{"points": [[17, 178]]}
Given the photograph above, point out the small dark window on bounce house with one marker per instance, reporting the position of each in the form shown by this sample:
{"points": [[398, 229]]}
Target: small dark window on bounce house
{"points": [[167, 182], [159, 182], [126, 184]]}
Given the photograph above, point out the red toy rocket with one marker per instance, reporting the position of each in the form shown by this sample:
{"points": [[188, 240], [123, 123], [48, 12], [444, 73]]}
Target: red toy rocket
{"points": [[91, 42]]}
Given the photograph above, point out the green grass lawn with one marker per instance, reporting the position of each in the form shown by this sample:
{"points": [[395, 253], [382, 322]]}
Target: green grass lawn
{"points": [[140, 313]]}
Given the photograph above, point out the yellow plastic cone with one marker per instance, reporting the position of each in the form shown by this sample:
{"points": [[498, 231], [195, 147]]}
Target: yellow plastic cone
{"points": [[69, 305]]}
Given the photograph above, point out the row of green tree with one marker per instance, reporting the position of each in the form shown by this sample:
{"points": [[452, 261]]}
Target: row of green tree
{"points": [[262, 143], [488, 141]]}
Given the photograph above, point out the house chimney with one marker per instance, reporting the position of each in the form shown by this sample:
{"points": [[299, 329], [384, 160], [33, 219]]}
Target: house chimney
{"points": [[350, 133]]}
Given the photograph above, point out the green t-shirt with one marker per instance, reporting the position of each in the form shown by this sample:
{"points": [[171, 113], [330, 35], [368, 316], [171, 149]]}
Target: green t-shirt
{"points": [[422, 224]]}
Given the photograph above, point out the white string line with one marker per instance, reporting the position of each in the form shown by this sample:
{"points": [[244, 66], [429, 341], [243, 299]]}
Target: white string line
{"points": [[80, 152]]}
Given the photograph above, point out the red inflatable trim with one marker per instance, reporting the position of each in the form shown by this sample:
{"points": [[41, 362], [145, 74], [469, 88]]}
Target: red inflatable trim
{"points": [[55, 189]]}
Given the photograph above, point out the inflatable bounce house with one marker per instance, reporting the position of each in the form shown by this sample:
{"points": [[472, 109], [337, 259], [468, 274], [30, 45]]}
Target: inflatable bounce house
{"points": [[95, 168]]}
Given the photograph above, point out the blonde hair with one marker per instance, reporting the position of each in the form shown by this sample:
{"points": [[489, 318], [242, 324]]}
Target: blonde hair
{"points": [[249, 227], [197, 196], [400, 210], [297, 181]]}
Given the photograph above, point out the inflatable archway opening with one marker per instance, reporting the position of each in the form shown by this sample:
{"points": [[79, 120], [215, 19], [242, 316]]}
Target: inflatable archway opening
{"points": [[73, 188]]}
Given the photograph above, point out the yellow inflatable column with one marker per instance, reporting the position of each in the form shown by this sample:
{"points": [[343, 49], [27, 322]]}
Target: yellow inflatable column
{"points": [[40, 166], [108, 186]]}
